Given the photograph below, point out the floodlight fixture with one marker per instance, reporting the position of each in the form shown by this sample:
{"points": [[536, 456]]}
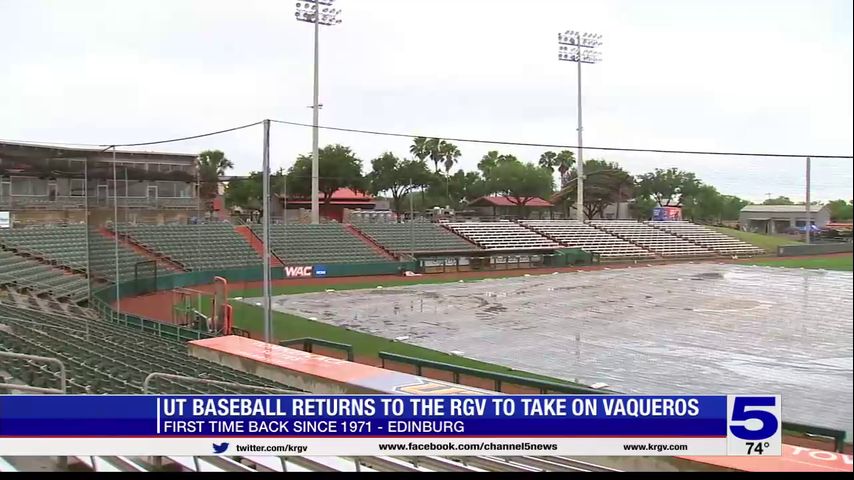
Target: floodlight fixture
{"points": [[317, 11], [581, 39]]}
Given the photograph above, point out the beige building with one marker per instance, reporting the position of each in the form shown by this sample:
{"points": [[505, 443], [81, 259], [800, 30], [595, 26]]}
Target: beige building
{"points": [[776, 219], [42, 184]]}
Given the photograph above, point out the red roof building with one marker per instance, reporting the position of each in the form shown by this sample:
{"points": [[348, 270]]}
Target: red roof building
{"points": [[503, 205], [343, 198]]}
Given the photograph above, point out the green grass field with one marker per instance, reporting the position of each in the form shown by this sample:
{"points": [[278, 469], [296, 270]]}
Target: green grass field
{"points": [[769, 243], [294, 289], [840, 262]]}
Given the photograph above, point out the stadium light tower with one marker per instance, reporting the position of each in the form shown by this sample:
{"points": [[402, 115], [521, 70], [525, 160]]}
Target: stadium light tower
{"points": [[318, 12], [579, 47]]}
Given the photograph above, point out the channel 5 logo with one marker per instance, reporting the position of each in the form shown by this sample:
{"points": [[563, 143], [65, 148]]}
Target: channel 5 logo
{"points": [[754, 418], [753, 425]]}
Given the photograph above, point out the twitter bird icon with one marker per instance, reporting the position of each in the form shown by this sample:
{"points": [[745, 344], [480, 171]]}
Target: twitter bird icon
{"points": [[220, 448]]}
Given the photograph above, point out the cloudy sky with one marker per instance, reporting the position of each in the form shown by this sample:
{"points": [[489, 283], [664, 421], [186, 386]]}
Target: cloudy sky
{"points": [[751, 75]]}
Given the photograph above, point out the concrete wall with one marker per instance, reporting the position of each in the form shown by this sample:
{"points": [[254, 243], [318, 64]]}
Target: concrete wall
{"points": [[814, 249]]}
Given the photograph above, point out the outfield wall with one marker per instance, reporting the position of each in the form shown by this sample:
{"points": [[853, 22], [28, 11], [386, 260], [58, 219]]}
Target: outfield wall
{"points": [[814, 249]]}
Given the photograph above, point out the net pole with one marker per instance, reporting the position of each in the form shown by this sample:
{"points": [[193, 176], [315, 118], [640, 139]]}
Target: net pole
{"points": [[86, 232], [86, 219], [116, 230], [411, 223], [127, 210], [266, 231], [809, 213]]}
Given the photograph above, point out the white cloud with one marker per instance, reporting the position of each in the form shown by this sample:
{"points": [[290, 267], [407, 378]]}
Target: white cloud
{"points": [[729, 75]]}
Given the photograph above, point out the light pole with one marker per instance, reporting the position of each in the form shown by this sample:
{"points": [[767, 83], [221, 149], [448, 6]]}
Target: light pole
{"points": [[578, 47], [318, 12]]}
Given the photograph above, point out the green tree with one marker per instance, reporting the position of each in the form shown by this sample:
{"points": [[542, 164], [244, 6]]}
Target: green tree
{"points": [[492, 159], [398, 177], [419, 148], [519, 182], [488, 161], [841, 211], [704, 206], [338, 168], [669, 187], [605, 183], [562, 162], [211, 164], [778, 201], [247, 193], [465, 187], [732, 206], [641, 208]]}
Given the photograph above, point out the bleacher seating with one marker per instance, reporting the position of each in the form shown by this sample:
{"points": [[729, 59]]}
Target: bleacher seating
{"points": [[658, 241], [196, 247], [39, 278], [102, 357], [503, 235], [415, 236], [11, 295], [573, 233], [299, 244], [66, 246], [719, 242]]}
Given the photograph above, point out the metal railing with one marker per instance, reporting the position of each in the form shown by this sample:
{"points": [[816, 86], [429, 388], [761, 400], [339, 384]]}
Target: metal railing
{"points": [[838, 436], [309, 342], [63, 379], [499, 378]]}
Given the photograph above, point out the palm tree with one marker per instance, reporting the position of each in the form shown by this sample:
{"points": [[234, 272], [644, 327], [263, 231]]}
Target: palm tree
{"points": [[211, 165], [434, 148], [419, 148], [450, 154], [564, 161], [548, 160]]}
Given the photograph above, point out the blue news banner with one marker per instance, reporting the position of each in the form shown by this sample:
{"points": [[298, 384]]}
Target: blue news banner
{"points": [[391, 425]]}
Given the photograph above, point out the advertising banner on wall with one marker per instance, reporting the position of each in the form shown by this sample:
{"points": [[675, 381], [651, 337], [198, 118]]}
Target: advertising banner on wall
{"points": [[298, 271], [667, 214]]}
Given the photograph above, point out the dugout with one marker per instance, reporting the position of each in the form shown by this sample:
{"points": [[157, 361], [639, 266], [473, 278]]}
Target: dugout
{"points": [[573, 257]]}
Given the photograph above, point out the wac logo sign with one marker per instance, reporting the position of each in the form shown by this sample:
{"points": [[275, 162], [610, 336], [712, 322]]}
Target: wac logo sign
{"points": [[293, 272]]}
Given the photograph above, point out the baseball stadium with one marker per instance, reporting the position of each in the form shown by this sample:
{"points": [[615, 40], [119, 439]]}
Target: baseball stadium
{"points": [[187, 250], [120, 275]]}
